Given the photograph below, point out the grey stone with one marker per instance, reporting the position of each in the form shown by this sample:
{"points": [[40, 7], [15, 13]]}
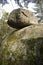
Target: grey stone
{"points": [[23, 47], [21, 18]]}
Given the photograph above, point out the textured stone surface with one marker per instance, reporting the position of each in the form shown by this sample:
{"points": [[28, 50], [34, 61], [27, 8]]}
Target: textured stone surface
{"points": [[23, 47], [20, 18]]}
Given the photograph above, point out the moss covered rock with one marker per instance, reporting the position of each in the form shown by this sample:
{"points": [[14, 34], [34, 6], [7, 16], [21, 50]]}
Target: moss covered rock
{"points": [[20, 18], [23, 47]]}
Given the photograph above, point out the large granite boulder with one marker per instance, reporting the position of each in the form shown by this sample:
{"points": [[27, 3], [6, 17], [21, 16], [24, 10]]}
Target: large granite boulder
{"points": [[20, 18], [23, 47]]}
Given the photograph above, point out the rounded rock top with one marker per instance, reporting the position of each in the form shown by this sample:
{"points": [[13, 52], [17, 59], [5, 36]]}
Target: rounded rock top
{"points": [[20, 18]]}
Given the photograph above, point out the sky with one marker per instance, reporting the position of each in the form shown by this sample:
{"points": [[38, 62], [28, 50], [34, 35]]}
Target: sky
{"points": [[11, 5], [8, 7]]}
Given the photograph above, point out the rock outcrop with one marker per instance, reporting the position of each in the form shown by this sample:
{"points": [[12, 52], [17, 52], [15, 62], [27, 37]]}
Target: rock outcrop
{"points": [[21, 18], [23, 47]]}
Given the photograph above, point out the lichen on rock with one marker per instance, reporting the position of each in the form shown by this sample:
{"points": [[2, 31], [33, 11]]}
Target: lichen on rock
{"points": [[23, 47]]}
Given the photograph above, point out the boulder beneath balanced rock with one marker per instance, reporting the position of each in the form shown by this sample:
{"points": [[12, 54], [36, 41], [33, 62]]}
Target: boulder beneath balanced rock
{"points": [[23, 47], [20, 18]]}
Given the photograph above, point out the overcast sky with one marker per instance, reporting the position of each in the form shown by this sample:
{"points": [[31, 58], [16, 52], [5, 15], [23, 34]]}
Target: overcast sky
{"points": [[11, 5], [8, 7]]}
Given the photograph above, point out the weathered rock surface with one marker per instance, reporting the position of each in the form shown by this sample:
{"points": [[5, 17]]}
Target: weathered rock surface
{"points": [[20, 18], [23, 47]]}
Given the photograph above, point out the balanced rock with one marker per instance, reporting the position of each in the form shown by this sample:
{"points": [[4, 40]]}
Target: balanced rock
{"points": [[20, 18], [23, 47]]}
